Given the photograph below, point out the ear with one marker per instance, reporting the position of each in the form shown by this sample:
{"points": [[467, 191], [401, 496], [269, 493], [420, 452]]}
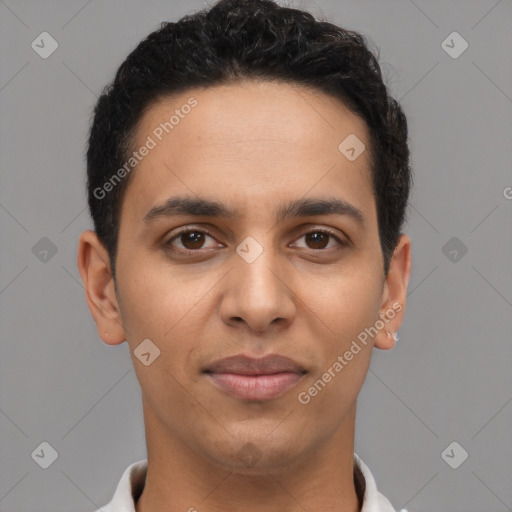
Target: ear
{"points": [[394, 294], [94, 266]]}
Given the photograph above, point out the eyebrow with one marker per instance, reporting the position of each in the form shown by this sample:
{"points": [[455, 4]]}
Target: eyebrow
{"points": [[202, 207]]}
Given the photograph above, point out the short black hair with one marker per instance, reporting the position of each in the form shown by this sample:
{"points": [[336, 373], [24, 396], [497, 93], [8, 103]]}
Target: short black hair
{"points": [[248, 39]]}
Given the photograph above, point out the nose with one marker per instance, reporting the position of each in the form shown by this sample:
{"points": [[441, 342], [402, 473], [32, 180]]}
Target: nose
{"points": [[259, 294]]}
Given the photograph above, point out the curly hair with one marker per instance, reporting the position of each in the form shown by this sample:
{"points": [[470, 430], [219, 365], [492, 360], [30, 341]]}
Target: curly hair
{"points": [[249, 39]]}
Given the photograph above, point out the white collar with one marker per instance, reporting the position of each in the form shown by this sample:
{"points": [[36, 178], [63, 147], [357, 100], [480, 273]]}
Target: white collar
{"points": [[132, 483]]}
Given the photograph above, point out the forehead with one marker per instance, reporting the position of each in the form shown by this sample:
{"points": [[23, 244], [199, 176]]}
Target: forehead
{"points": [[260, 110], [256, 139]]}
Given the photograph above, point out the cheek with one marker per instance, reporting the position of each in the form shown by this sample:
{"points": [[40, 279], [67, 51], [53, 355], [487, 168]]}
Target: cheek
{"points": [[347, 301], [152, 301], [143, 304], [152, 309], [348, 308], [158, 304]]}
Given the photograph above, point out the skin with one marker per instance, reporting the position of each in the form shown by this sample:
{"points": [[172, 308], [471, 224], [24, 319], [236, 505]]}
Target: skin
{"points": [[251, 146]]}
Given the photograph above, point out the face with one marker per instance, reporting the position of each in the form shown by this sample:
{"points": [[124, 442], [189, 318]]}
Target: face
{"points": [[266, 269]]}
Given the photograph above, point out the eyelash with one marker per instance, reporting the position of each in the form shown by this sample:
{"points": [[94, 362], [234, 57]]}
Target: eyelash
{"points": [[167, 245]]}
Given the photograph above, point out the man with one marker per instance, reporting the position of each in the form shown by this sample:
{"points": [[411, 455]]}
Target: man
{"points": [[248, 176]]}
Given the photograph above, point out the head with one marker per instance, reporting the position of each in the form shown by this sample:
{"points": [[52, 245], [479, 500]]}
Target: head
{"points": [[272, 138]]}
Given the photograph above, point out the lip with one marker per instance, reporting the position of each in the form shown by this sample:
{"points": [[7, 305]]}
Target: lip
{"points": [[250, 378]]}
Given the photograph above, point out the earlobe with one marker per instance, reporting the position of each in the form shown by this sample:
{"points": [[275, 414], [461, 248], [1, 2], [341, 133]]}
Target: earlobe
{"points": [[385, 340], [395, 292], [391, 339], [94, 267]]}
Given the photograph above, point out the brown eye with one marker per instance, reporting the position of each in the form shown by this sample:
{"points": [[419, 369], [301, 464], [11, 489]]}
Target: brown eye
{"points": [[192, 239], [318, 239], [188, 240]]}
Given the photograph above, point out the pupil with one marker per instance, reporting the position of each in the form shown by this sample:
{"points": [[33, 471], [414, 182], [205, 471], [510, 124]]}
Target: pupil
{"points": [[318, 238], [193, 237]]}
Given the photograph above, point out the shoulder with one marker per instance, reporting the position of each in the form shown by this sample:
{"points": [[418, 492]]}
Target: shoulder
{"points": [[128, 489], [374, 501]]}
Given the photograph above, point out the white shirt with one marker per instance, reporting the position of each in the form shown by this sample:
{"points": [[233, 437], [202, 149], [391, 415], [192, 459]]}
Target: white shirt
{"points": [[132, 483]]}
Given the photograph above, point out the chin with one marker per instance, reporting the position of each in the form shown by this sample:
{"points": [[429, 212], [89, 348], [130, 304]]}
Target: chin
{"points": [[255, 453]]}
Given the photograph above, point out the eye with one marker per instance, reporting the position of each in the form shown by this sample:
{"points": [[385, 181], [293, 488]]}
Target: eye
{"points": [[191, 239], [320, 239]]}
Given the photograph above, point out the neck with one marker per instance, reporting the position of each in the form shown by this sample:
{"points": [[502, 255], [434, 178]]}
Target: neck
{"points": [[179, 478]]}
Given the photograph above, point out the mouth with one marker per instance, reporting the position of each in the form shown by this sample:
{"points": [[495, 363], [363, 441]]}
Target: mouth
{"points": [[255, 379]]}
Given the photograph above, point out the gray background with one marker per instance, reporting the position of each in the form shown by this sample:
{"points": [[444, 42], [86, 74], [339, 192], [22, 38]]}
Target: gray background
{"points": [[448, 379]]}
